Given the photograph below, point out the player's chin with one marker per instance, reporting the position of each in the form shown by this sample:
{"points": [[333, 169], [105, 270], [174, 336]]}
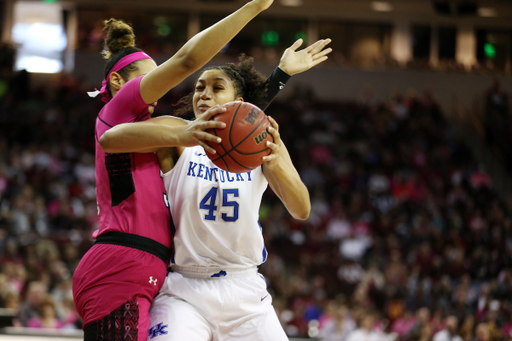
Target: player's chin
{"points": [[198, 112]]}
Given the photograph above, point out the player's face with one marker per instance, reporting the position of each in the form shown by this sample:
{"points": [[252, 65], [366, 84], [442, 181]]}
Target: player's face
{"points": [[212, 88]]}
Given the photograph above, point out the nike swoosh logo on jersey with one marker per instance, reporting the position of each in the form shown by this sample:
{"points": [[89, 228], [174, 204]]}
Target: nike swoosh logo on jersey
{"points": [[264, 297]]}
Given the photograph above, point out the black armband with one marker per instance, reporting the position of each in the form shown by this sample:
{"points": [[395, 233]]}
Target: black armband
{"points": [[275, 83]]}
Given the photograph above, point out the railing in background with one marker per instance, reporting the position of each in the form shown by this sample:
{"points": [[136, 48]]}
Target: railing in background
{"points": [[39, 334]]}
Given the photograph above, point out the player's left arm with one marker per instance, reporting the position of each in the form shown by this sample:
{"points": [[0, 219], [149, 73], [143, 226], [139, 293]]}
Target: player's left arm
{"points": [[162, 132], [293, 62], [283, 178]]}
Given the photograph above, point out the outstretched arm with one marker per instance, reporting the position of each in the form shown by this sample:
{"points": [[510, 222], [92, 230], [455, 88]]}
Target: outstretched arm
{"points": [[284, 179], [294, 62], [197, 52], [161, 132]]}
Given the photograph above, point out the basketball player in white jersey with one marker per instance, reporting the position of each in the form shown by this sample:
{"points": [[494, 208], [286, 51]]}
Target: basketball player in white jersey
{"points": [[213, 291]]}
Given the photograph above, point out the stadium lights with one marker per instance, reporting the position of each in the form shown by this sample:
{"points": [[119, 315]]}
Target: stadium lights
{"points": [[487, 12], [292, 3], [270, 38], [382, 6], [40, 37]]}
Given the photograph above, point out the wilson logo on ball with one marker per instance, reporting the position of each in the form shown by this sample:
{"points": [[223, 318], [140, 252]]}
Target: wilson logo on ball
{"points": [[253, 115], [261, 137], [243, 144]]}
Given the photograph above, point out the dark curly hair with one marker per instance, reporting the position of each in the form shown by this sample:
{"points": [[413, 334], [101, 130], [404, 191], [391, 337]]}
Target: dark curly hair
{"points": [[119, 43], [247, 81]]}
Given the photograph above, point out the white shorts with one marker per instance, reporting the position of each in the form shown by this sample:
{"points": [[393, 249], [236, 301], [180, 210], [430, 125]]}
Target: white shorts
{"points": [[236, 306]]}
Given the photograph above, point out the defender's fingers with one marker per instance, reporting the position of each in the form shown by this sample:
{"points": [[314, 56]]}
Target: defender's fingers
{"points": [[212, 112], [314, 46], [208, 137], [296, 45], [318, 61], [204, 136], [211, 125], [319, 47], [207, 147], [322, 53]]}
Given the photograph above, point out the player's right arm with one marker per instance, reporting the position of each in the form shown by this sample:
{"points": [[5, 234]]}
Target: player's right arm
{"points": [[197, 52], [162, 132], [283, 177]]}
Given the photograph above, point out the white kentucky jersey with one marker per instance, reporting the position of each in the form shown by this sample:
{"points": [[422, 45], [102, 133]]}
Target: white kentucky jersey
{"points": [[215, 213]]}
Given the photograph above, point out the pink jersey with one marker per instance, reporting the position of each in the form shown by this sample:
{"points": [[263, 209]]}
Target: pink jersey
{"points": [[129, 189]]}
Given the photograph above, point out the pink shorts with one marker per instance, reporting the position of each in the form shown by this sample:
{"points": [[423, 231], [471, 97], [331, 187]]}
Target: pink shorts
{"points": [[111, 279]]}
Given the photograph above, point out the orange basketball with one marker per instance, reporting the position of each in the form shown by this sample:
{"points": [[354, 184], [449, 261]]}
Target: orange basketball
{"points": [[244, 140]]}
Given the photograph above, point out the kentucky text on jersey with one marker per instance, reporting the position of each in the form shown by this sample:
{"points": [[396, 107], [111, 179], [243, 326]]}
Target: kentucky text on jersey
{"points": [[199, 170]]}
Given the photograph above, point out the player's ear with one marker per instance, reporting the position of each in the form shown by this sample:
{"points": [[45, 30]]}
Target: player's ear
{"points": [[241, 99], [116, 81]]}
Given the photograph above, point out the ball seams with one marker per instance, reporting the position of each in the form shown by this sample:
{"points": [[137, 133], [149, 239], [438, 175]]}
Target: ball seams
{"points": [[234, 147], [230, 150], [242, 141]]}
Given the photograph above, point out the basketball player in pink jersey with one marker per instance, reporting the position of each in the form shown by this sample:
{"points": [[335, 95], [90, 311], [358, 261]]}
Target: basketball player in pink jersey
{"points": [[117, 279], [214, 291]]}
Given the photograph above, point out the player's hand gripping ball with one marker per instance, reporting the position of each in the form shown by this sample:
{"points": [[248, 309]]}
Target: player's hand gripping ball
{"points": [[244, 140]]}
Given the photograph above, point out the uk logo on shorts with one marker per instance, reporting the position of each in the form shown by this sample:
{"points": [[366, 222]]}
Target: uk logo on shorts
{"points": [[159, 329]]}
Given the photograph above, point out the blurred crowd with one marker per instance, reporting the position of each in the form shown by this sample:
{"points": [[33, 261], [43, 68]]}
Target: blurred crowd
{"points": [[47, 197], [406, 238]]}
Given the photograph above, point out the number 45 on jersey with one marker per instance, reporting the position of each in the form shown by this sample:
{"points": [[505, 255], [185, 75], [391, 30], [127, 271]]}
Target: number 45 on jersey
{"points": [[208, 203]]}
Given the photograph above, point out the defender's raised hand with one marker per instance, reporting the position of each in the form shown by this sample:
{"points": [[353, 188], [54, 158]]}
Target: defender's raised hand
{"points": [[264, 4], [293, 61]]}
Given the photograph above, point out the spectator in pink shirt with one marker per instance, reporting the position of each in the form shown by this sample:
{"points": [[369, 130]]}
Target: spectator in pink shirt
{"points": [[46, 318]]}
